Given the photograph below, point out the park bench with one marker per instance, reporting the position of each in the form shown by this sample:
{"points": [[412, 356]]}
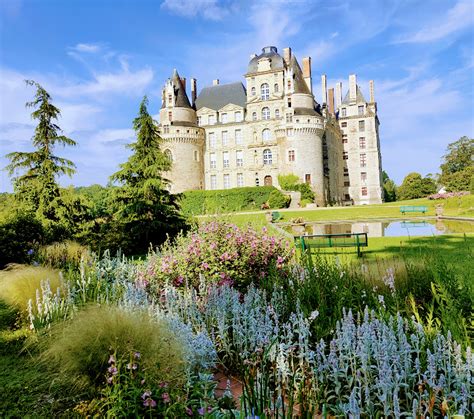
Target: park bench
{"points": [[276, 216], [413, 208], [319, 241]]}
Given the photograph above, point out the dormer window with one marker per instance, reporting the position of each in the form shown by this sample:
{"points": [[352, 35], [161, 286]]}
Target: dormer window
{"points": [[275, 88], [224, 118], [343, 112], [254, 116], [265, 91], [252, 90]]}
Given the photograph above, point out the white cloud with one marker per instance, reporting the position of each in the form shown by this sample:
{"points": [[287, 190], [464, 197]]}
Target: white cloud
{"points": [[208, 9], [459, 17], [87, 48]]}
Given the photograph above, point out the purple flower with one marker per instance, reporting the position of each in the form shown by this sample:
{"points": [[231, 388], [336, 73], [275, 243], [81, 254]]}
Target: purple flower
{"points": [[146, 394], [137, 355], [30, 252], [163, 384], [205, 266], [149, 402], [112, 370], [131, 366], [189, 411], [110, 379], [112, 359], [166, 397]]}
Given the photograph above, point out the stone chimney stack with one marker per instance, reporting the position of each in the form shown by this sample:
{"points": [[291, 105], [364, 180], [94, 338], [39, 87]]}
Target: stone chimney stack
{"points": [[307, 73], [331, 101], [371, 88], [324, 89], [193, 90], [215, 82], [183, 82], [287, 55], [352, 87], [338, 94]]}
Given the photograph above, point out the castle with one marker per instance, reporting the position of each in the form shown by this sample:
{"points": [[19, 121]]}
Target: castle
{"points": [[231, 135]]}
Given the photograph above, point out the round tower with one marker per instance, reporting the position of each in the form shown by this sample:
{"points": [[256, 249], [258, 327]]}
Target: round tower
{"points": [[183, 139]]}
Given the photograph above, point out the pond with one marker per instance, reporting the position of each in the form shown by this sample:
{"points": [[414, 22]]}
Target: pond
{"points": [[393, 228]]}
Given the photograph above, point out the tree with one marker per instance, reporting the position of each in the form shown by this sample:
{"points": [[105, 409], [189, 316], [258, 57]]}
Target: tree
{"points": [[144, 207], [458, 168], [389, 188], [415, 186], [37, 185]]}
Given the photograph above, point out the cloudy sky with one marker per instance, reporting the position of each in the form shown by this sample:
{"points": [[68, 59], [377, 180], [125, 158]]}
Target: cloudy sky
{"points": [[98, 58]]}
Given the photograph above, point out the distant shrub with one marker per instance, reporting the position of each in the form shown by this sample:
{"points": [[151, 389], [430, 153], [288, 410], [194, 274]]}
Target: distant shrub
{"points": [[290, 183], [278, 200], [287, 182], [220, 253], [78, 350], [306, 191], [64, 254], [19, 283], [225, 200]]}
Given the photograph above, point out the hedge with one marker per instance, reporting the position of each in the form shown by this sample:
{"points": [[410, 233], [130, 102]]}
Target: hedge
{"points": [[226, 200]]}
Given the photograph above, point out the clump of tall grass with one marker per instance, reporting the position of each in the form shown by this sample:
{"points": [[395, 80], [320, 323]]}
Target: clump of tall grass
{"points": [[64, 254], [18, 284], [77, 351]]}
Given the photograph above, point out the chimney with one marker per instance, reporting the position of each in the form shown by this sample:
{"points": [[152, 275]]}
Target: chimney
{"points": [[193, 90], [215, 82], [352, 87], [338, 94], [324, 89], [307, 73], [183, 82], [331, 101], [371, 88], [287, 55]]}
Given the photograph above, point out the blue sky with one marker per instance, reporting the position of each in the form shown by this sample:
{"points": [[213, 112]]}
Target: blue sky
{"points": [[98, 58]]}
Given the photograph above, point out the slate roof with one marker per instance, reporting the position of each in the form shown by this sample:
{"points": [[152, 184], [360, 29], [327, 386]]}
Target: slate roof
{"points": [[216, 97], [305, 111], [300, 85], [276, 60], [359, 96]]}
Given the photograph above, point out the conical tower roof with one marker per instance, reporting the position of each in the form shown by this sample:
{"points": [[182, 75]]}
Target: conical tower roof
{"points": [[181, 98]]}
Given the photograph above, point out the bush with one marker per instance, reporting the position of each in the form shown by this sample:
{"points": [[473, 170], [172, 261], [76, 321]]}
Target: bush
{"points": [[287, 182], [226, 200], [278, 200], [78, 350], [64, 254], [19, 283], [221, 253], [306, 192]]}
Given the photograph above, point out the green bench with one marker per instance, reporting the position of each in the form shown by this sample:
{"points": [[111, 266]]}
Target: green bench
{"points": [[276, 216], [413, 208], [319, 241]]}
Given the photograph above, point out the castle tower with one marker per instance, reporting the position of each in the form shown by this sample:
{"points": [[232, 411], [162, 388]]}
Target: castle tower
{"points": [[363, 163], [183, 140]]}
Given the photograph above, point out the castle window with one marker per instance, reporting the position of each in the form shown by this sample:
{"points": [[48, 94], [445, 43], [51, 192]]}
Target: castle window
{"points": [[252, 90], [277, 113], [363, 176], [267, 156], [345, 155], [199, 120], [166, 129], [289, 102], [275, 88], [307, 178], [224, 118], [363, 160], [291, 155], [196, 155], [238, 137], [226, 181], [266, 113], [289, 117], [344, 138], [169, 155], [289, 84], [240, 180], [364, 191], [361, 125], [347, 197], [289, 132], [213, 182], [266, 135], [344, 124], [170, 116], [238, 116], [212, 139], [343, 112], [265, 91], [213, 160], [257, 181], [362, 142], [225, 138], [170, 99], [347, 183], [212, 119], [360, 110], [254, 116], [239, 158], [346, 171], [225, 158]]}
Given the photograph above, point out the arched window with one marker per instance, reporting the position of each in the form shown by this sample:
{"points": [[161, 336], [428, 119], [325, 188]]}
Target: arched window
{"points": [[254, 116], [266, 113], [266, 135], [267, 156], [253, 91], [168, 155], [277, 113], [275, 88], [265, 91]]}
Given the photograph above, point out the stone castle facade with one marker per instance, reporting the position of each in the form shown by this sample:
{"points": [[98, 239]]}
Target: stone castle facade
{"points": [[231, 135]]}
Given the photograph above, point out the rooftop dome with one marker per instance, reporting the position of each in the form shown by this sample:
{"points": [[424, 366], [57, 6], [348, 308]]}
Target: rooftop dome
{"points": [[276, 60]]}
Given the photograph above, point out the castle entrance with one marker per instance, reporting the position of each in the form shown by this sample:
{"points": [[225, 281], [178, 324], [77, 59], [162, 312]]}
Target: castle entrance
{"points": [[267, 181]]}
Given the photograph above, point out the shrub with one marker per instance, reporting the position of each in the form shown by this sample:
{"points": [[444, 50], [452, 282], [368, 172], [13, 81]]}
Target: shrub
{"points": [[306, 192], [278, 200], [19, 283], [64, 254], [290, 183], [78, 350], [221, 253], [287, 182], [226, 200]]}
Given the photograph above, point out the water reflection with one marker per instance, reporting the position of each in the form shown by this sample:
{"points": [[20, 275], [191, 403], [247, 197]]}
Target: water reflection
{"points": [[386, 228]]}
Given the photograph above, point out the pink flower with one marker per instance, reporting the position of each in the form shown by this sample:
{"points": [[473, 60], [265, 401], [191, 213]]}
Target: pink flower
{"points": [[146, 394], [163, 384], [189, 411], [166, 397], [178, 281], [111, 359], [149, 403], [205, 266]]}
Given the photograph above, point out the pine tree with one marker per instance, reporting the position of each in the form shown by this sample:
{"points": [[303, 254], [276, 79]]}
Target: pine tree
{"points": [[145, 209], [37, 185]]}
